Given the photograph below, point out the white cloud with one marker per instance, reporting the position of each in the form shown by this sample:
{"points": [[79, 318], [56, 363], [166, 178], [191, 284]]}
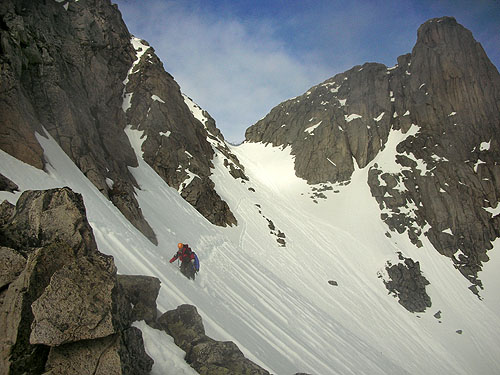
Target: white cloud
{"points": [[236, 71]]}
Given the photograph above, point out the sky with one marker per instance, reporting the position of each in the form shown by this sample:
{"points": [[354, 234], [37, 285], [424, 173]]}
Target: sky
{"points": [[239, 59]]}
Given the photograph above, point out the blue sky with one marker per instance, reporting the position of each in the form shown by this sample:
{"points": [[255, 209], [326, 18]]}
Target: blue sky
{"points": [[238, 59]]}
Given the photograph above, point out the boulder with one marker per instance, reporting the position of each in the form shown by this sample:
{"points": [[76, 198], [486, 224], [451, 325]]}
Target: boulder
{"points": [[17, 354], [204, 354], [185, 325], [221, 357], [47, 216], [141, 292], [115, 354], [77, 303], [98, 356], [11, 265]]}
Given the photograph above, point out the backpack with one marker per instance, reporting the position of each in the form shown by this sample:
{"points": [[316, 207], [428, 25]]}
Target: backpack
{"points": [[196, 262]]}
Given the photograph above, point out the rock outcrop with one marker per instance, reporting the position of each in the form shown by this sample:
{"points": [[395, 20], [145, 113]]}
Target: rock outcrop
{"points": [[441, 106], [204, 354], [406, 282], [141, 292], [7, 185], [62, 309]]}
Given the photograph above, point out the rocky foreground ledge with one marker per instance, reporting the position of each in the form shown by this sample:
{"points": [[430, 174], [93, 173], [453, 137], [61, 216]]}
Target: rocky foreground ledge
{"points": [[64, 309]]}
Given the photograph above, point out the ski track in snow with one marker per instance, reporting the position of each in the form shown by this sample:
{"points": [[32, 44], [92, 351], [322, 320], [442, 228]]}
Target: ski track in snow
{"points": [[275, 302]]}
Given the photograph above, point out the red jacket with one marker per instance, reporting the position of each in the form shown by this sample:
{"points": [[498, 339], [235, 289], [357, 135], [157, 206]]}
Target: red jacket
{"points": [[185, 255]]}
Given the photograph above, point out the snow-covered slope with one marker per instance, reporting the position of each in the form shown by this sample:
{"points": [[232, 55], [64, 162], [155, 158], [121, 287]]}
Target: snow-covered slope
{"points": [[275, 302]]}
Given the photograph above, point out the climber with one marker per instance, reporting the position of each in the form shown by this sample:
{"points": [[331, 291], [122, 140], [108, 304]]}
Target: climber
{"points": [[187, 258]]}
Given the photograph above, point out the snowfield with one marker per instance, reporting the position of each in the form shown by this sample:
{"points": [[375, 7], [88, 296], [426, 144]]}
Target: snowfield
{"points": [[275, 302]]}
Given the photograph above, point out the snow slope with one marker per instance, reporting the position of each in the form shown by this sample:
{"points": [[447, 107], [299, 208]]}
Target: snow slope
{"points": [[275, 302]]}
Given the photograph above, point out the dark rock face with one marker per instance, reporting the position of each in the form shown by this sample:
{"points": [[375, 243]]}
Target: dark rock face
{"points": [[204, 354], [7, 185], [332, 124], [114, 354], [11, 265], [6, 211], [41, 218], [56, 73], [442, 102], [407, 283], [178, 145], [141, 292], [61, 307]]}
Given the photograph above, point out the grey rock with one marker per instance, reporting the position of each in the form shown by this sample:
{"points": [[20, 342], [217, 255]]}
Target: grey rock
{"points": [[11, 265], [184, 324], [7, 185], [133, 357], [73, 84], [77, 303], [123, 197], [17, 354], [281, 241], [407, 283], [326, 153], [218, 357], [141, 292], [205, 355], [6, 211], [115, 354], [270, 224], [176, 144], [85, 357], [201, 194], [44, 217], [50, 229]]}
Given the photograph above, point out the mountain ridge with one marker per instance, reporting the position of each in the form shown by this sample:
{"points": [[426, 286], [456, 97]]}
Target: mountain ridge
{"points": [[449, 90], [313, 301]]}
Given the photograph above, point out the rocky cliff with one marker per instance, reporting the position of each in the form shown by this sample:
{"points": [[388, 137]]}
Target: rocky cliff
{"points": [[71, 69], [441, 105]]}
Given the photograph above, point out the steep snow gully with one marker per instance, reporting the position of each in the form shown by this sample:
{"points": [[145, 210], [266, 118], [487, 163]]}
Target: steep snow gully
{"points": [[275, 301]]}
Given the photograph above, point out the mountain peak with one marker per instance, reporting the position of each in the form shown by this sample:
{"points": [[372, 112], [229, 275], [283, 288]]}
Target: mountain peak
{"points": [[445, 33], [447, 92]]}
